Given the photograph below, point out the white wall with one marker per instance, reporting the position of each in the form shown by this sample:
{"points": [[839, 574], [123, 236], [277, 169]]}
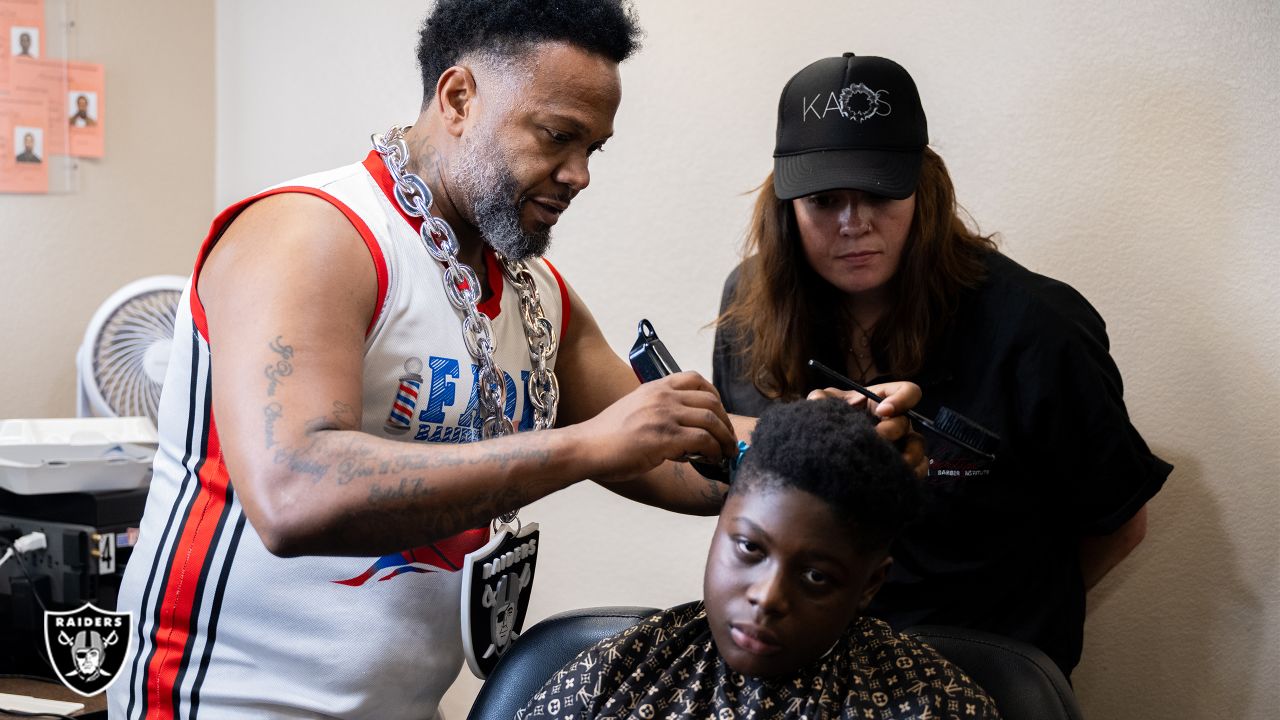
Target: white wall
{"points": [[1129, 149], [142, 210]]}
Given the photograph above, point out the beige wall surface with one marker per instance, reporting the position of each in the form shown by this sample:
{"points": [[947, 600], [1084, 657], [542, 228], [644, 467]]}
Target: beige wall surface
{"points": [[141, 210], [1127, 148]]}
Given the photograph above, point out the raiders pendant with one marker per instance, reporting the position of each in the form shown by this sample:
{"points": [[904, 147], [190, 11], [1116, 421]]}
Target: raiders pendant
{"points": [[495, 595]]}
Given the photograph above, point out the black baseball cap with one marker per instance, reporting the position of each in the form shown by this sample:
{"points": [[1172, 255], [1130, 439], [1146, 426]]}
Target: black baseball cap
{"points": [[849, 122]]}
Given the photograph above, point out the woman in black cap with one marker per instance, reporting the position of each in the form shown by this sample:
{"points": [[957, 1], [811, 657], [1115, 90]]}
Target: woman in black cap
{"points": [[857, 257]]}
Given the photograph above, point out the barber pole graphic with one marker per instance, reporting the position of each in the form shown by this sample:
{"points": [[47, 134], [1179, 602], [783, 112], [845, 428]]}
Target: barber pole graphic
{"points": [[401, 415]]}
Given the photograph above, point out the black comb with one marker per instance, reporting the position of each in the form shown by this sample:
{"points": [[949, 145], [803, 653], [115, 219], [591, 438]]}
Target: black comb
{"points": [[951, 425]]}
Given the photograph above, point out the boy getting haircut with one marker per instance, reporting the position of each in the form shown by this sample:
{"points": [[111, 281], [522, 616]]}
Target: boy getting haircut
{"points": [[800, 548]]}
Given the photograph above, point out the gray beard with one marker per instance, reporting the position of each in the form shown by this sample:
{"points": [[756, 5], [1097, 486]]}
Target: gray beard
{"points": [[487, 184]]}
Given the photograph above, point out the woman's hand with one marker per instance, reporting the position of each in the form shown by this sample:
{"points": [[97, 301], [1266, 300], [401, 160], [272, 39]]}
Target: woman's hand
{"points": [[894, 425]]}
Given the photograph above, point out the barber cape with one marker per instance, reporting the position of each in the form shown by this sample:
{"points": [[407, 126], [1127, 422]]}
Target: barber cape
{"points": [[667, 666]]}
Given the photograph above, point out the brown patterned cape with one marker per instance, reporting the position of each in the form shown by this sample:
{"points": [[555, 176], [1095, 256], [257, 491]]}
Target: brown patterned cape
{"points": [[666, 667]]}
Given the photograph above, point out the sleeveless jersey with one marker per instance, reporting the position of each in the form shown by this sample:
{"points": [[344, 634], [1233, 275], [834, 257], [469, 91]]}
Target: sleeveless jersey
{"points": [[223, 628]]}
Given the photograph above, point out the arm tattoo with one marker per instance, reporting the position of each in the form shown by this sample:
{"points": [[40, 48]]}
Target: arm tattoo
{"points": [[280, 368], [446, 518], [708, 490], [714, 492], [344, 415], [300, 461], [449, 517], [404, 489], [273, 412], [344, 458], [342, 418], [391, 480], [505, 457]]}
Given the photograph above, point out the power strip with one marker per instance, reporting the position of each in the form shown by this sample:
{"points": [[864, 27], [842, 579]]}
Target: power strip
{"points": [[76, 556]]}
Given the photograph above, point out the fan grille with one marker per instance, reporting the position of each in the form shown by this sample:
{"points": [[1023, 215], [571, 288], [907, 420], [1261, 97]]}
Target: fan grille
{"points": [[121, 348]]}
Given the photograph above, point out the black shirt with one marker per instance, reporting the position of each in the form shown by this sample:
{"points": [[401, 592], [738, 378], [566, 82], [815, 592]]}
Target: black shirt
{"points": [[996, 545]]}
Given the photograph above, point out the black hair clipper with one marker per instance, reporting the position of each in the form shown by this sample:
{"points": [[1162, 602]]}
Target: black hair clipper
{"points": [[651, 360], [649, 357]]}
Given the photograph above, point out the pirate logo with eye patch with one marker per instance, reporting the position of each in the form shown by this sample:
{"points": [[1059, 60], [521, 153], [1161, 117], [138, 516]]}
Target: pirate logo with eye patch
{"points": [[88, 646]]}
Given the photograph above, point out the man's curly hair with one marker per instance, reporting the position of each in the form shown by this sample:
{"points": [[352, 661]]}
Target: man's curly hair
{"points": [[830, 450], [456, 28]]}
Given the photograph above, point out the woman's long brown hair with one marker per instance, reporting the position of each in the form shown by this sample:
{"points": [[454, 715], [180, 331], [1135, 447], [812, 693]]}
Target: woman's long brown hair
{"points": [[781, 305]]}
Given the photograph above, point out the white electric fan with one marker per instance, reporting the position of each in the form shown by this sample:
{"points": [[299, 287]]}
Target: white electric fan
{"points": [[122, 361], [120, 367]]}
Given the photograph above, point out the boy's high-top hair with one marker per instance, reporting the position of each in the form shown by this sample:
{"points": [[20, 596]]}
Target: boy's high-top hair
{"points": [[830, 450]]}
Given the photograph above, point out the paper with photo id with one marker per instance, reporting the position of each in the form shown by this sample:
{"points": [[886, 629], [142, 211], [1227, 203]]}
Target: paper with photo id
{"points": [[22, 35], [74, 94], [46, 81], [23, 159], [85, 107], [23, 24]]}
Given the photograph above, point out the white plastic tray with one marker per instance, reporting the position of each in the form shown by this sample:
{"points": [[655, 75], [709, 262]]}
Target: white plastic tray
{"points": [[76, 454]]}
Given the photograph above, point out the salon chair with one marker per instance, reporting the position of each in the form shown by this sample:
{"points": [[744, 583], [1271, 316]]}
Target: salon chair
{"points": [[1023, 681]]}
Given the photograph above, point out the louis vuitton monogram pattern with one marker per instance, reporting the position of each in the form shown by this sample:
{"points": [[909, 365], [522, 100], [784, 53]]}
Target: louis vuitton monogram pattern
{"points": [[666, 668]]}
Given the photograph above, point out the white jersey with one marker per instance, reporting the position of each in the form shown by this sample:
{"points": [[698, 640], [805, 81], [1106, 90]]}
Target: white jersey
{"points": [[226, 629]]}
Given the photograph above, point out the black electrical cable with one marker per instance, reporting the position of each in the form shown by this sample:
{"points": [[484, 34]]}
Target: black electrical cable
{"points": [[17, 557]]}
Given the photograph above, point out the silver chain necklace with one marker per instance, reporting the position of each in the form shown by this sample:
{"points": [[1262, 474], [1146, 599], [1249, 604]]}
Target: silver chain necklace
{"points": [[462, 287]]}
